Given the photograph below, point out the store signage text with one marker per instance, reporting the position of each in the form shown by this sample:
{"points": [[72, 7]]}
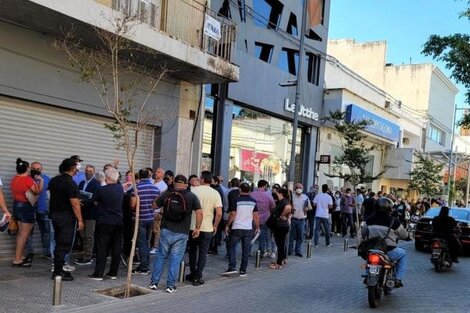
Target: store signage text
{"points": [[212, 28], [303, 111]]}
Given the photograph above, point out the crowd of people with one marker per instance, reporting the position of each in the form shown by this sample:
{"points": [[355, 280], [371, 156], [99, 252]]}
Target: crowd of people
{"points": [[179, 214]]}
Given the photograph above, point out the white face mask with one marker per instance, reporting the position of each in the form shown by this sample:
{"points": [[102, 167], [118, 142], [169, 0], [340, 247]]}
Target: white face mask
{"points": [[298, 191], [338, 196], [79, 165]]}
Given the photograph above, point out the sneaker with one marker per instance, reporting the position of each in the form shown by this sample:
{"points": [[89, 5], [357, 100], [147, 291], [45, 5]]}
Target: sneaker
{"points": [[330, 245], [124, 260], [170, 289], [68, 268], [66, 276], [317, 246], [299, 254], [153, 251], [82, 261], [242, 273], [153, 286], [198, 282], [229, 272], [273, 255], [111, 276], [95, 277], [140, 271], [265, 255]]}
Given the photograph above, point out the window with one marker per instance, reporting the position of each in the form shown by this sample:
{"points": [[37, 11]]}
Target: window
{"points": [[436, 135], [313, 70], [292, 25], [264, 51], [289, 60], [267, 13]]}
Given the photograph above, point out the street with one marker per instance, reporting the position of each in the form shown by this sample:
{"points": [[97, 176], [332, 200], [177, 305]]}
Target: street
{"points": [[329, 282]]}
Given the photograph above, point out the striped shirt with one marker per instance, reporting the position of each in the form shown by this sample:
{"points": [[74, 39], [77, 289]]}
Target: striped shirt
{"points": [[148, 192], [245, 206]]}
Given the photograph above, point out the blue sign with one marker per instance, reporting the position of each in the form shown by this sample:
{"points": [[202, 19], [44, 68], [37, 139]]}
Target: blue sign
{"points": [[379, 126]]}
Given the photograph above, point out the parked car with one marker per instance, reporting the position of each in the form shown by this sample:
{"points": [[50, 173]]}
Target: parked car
{"points": [[424, 233]]}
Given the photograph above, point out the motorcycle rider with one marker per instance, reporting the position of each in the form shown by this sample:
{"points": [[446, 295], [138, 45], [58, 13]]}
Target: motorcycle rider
{"points": [[444, 227], [378, 224]]}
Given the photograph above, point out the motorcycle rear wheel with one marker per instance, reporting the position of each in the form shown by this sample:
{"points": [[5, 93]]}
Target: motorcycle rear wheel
{"points": [[437, 267], [374, 296]]}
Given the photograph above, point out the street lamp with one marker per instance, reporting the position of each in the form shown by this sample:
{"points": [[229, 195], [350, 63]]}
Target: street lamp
{"points": [[451, 154]]}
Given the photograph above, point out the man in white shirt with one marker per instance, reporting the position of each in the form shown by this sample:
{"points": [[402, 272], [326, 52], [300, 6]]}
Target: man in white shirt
{"points": [[301, 205], [323, 202]]}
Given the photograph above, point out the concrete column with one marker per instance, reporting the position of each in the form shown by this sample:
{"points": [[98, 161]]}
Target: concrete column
{"points": [[309, 157]]}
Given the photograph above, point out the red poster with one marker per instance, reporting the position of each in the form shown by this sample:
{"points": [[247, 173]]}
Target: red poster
{"points": [[251, 160]]}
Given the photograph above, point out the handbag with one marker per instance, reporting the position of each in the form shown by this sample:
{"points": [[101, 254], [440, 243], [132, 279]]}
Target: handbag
{"points": [[13, 227], [374, 243]]}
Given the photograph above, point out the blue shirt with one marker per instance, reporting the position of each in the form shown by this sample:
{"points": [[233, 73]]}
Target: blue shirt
{"points": [[148, 192], [109, 210], [79, 177], [41, 205]]}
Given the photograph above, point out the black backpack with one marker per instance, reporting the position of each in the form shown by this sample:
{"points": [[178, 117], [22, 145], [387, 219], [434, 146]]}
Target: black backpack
{"points": [[174, 207]]}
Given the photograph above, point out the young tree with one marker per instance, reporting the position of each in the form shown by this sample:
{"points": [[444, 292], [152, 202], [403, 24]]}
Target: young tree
{"points": [[125, 78], [454, 51], [355, 154], [426, 177]]}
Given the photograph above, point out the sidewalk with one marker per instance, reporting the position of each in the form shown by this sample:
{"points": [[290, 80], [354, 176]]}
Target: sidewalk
{"points": [[30, 289]]}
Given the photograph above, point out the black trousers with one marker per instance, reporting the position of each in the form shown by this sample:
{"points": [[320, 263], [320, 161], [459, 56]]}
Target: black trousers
{"points": [[64, 230], [198, 248], [280, 234], [455, 246], [107, 238]]}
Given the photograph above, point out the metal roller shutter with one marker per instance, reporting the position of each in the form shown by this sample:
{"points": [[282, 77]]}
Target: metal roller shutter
{"points": [[47, 134]]}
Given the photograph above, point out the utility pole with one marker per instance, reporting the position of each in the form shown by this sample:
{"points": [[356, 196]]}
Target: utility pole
{"points": [[449, 186], [298, 91]]}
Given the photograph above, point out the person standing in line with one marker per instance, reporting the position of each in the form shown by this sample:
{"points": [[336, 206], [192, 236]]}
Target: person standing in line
{"points": [[157, 221], [311, 213], [108, 232], [41, 210], [323, 203], [65, 213], [175, 228], [3, 204], [211, 204], [265, 204], [301, 205], [282, 212], [347, 208], [24, 189], [336, 222], [242, 215]]}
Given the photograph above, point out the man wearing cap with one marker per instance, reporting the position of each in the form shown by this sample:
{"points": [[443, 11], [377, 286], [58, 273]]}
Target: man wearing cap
{"points": [[198, 247], [78, 177], [65, 213], [174, 234]]}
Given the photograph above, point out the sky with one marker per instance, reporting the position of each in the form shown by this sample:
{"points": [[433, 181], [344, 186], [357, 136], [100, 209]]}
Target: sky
{"points": [[404, 24]]}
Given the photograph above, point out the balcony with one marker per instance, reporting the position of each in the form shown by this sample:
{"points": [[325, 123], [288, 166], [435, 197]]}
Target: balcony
{"points": [[174, 28]]}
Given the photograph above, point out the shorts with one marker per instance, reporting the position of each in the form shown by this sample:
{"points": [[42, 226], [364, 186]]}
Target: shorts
{"points": [[23, 212]]}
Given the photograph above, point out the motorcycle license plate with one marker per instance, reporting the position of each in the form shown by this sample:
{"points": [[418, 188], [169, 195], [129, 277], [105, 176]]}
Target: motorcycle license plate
{"points": [[374, 269], [436, 253]]}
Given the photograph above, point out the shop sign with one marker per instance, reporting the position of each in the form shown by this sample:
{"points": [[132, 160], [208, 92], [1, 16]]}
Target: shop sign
{"points": [[303, 111], [379, 126], [325, 159], [252, 161], [212, 28]]}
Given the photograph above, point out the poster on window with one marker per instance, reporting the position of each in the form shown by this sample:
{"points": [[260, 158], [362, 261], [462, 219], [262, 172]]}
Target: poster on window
{"points": [[251, 161]]}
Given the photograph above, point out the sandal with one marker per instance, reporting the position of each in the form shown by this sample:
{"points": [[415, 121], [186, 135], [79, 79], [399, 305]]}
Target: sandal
{"points": [[22, 264], [275, 266]]}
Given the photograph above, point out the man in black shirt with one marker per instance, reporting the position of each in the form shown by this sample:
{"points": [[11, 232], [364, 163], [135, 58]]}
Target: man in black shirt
{"points": [[64, 212], [369, 205], [174, 233], [444, 227], [108, 232]]}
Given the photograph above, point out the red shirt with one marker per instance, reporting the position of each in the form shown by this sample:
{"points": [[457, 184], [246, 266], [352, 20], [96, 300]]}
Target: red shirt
{"points": [[19, 185]]}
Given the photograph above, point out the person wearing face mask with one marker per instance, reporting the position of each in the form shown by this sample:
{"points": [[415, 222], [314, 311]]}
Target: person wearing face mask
{"points": [[301, 204], [79, 176], [336, 221], [88, 188]]}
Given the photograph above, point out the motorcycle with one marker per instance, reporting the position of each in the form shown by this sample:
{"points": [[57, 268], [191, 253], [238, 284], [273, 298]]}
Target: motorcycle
{"points": [[379, 277], [440, 256]]}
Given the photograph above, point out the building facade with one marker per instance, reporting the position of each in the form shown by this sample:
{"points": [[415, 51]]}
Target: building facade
{"points": [[248, 124], [49, 113]]}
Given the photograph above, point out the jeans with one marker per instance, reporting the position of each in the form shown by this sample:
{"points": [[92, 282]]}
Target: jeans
{"points": [[198, 248], [271, 242], [399, 255], [45, 228], [297, 234], [243, 235], [263, 240], [348, 222], [172, 246], [108, 237], [143, 237], [326, 224]]}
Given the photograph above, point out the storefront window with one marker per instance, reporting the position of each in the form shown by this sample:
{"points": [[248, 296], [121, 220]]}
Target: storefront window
{"points": [[260, 146]]}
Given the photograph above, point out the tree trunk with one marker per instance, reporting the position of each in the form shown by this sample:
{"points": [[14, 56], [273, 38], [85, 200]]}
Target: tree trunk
{"points": [[134, 237]]}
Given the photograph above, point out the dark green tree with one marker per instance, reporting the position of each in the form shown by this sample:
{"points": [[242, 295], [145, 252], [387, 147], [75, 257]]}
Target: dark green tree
{"points": [[454, 51], [426, 177], [355, 154]]}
